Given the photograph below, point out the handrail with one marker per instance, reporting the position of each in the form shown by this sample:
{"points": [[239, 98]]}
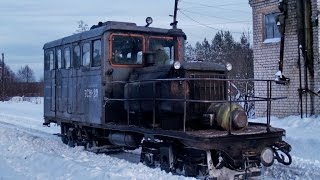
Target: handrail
{"points": [[185, 99], [193, 79]]}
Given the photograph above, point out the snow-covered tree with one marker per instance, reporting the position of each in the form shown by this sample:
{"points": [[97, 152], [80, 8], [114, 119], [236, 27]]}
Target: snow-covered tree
{"points": [[224, 49]]}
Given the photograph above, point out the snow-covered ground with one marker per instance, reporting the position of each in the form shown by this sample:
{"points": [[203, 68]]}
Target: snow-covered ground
{"points": [[30, 151], [304, 137]]}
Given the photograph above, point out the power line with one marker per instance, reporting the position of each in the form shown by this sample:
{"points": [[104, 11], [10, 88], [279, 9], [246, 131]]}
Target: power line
{"points": [[205, 24], [217, 6], [230, 20]]}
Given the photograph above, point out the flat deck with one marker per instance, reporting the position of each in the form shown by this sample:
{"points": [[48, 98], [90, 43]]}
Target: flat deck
{"points": [[252, 129]]}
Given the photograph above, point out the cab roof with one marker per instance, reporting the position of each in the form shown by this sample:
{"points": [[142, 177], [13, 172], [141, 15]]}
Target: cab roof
{"points": [[98, 30]]}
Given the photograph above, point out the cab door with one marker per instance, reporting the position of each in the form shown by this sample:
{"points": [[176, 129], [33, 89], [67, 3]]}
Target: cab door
{"points": [[125, 54], [58, 83], [91, 81], [50, 85]]}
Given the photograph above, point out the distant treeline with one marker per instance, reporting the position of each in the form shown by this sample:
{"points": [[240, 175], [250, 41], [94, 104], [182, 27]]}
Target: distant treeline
{"points": [[22, 83]]}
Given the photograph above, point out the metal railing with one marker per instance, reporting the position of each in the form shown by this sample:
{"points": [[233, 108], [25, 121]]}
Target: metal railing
{"points": [[185, 99]]}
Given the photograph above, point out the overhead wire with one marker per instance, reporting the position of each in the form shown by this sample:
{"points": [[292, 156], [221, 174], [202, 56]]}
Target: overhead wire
{"points": [[205, 25], [230, 20], [216, 6]]}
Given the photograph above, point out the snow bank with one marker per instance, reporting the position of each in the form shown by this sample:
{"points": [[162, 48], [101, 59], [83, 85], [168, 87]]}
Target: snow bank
{"points": [[30, 151], [35, 100], [302, 134], [32, 156]]}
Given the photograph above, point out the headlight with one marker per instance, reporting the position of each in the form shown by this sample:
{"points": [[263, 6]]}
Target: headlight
{"points": [[267, 157], [229, 66], [177, 65], [149, 20]]}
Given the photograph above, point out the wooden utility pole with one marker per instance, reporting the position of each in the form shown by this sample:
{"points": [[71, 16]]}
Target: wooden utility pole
{"points": [[175, 22]]}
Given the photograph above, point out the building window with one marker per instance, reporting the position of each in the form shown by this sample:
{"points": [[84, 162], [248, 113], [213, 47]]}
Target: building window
{"points": [[96, 53], [271, 29]]}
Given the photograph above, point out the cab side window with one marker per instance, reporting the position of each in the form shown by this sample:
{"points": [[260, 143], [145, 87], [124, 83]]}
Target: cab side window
{"points": [[59, 56], [76, 57], [48, 60], [96, 61], [162, 47], [51, 60], [86, 54], [126, 49], [66, 58]]}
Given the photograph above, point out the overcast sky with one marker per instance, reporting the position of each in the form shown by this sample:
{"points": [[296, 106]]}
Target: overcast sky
{"points": [[27, 24]]}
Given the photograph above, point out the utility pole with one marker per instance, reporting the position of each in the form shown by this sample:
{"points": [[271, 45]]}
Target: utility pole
{"points": [[175, 22]]}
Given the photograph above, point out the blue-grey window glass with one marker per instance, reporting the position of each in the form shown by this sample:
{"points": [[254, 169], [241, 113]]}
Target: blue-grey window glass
{"points": [[162, 49], [271, 29], [66, 58], [76, 57], [96, 61], [86, 54], [51, 60], [59, 56], [48, 60], [127, 49]]}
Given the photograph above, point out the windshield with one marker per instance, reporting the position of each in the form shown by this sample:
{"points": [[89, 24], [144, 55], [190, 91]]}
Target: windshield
{"points": [[162, 47], [126, 49]]}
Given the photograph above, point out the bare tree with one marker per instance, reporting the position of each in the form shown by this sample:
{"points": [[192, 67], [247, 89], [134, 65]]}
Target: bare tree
{"points": [[25, 74], [82, 27]]}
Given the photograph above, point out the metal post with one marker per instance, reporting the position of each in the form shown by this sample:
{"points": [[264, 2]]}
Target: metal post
{"points": [[306, 85], [268, 105], [230, 122], [2, 77], [154, 105], [300, 80], [185, 109], [246, 105], [270, 101]]}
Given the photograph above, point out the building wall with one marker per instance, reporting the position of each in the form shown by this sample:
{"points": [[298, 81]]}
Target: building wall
{"points": [[267, 54]]}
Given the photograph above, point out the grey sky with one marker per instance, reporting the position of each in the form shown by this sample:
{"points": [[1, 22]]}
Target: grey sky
{"points": [[27, 25]]}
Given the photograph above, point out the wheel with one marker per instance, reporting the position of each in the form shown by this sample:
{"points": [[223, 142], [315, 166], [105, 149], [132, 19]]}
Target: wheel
{"points": [[64, 139], [71, 137]]}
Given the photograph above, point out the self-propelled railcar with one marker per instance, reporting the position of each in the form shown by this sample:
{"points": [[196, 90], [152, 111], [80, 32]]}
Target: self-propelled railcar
{"points": [[123, 86]]}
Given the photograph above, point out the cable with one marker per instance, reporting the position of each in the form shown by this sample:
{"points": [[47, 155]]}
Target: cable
{"points": [[205, 24], [216, 7], [220, 5], [231, 21]]}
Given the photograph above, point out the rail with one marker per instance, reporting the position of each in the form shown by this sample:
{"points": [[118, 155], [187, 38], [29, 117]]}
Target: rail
{"points": [[185, 98]]}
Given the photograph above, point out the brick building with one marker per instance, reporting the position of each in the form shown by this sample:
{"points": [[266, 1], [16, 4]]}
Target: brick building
{"points": [[266, 46]]}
